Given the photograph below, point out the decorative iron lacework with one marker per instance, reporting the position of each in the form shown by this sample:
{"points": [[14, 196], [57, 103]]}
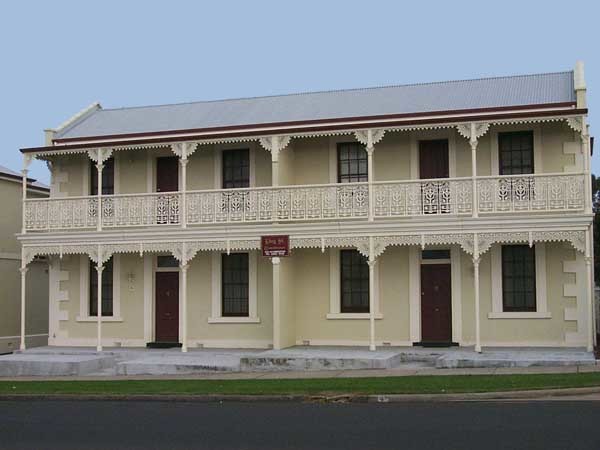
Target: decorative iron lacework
{"points": [[186, 250]]}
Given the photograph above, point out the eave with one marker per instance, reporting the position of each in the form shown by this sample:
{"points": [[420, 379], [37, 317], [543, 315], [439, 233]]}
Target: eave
{"points": [[315, 126]]}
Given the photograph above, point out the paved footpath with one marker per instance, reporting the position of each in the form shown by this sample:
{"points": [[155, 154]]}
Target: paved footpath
{"points": [[416, 370]]}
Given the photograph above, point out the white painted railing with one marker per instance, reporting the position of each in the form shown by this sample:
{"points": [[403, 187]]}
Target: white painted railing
{"points": [[134, 210], [285, 203], [544, 193], [61, 213], [423, 197], [411, 198]]}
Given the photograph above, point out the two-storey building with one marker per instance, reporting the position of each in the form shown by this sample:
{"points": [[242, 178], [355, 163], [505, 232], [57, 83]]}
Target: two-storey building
{"points": [[436, 214]]}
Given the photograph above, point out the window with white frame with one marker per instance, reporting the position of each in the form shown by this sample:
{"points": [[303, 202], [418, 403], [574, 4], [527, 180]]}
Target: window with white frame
{"points": [[234, 288], [107, 289], [519, 282]]}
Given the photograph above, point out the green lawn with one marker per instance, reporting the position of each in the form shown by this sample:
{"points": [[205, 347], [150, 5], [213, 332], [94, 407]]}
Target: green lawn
{"points": [[388, 385]]}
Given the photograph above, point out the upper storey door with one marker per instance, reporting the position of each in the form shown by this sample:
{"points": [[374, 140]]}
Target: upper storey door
{"points": [[433, 159], [167, 174]]}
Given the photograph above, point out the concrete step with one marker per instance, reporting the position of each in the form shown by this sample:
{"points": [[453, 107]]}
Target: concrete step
{"points": [[291, 362], [24, 364], [514, 359], [178, 365]]}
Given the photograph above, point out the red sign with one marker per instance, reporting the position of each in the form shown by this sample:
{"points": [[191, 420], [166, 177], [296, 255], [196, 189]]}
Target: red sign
{"points": [[273, 246]]}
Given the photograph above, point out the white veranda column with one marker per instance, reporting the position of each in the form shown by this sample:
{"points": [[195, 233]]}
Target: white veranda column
{"points": [[99, 167], [183, 215], [585, 140], [276, 262], [372, 261], [23, 271], [184, 339], [473, 143], [24, 187], [476, 287], [99, 270], [589, 289]]}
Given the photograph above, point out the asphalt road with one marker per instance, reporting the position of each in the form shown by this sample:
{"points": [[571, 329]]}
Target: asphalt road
{"points": [[45, 425]]}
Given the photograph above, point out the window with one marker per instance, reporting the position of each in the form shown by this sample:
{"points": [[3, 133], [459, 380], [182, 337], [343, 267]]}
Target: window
{"points": [[236, 169], [234, 285], [518, 278], [165, 261], [108, 178], [352, 163], [107, 289], [516, 152], [435, 254], [354, 272]]}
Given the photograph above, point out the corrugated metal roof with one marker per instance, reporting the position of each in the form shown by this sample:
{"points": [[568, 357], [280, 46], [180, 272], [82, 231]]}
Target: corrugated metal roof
{"points": [[32, 181], [407, 99]]}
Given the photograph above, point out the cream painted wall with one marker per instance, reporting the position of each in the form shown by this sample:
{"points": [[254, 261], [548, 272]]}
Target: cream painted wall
{"points": [[312, 278], [510, 331]]}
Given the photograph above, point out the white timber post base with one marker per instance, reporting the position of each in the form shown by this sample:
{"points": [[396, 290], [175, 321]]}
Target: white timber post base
{"points": [[99, 270], [184, 338], [476, 288], [276, 262], [589, 289], [23, 271]]}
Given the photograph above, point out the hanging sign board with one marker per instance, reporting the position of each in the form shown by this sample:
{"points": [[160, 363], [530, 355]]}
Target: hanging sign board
{"points": [[274, 246]]}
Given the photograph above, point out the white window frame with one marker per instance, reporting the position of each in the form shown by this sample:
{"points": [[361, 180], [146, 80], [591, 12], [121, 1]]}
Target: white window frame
{"points": [[537, 146], [218, 161], [217, 301], [84, 288], [335, 295], [541, 301]]}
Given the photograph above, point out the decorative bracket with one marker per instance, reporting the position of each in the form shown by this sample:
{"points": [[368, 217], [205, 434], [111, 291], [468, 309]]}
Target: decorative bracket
{"points": [[369, 138], [100, 254], [274, 144], [184, 149], [99, 155], [27, 159], [184, 252], [473, 131], [576, 123]]}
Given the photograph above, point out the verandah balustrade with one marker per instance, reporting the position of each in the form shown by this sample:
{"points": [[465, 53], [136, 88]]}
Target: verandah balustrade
{"points": [[391, 199]]}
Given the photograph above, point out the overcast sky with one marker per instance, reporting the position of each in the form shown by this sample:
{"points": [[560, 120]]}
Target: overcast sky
{"points": [[59, 56]]}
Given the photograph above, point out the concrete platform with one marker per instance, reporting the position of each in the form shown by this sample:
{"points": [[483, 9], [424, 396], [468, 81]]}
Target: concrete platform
{"points": [[26, 364], [498, 358], [115, 362], [322, 358]]}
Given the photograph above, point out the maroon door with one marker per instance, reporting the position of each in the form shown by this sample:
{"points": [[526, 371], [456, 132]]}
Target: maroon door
{"points": [[436, 303], [433, 159], [167, 307], [167, 174]]}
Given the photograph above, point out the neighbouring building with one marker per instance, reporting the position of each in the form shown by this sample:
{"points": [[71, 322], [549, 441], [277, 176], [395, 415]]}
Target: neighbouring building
{"points": [[36, 319], [432, 214]]}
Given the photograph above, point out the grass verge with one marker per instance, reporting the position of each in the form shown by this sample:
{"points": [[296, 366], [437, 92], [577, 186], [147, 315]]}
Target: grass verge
{"points": [[387, 385]]}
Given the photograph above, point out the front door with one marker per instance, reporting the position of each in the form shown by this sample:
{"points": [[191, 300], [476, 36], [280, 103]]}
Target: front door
{"points": [[167, 307], [436, 303], [167, 174]]}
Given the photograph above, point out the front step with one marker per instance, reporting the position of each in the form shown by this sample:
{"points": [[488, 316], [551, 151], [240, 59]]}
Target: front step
{"points": [[163, 345]]}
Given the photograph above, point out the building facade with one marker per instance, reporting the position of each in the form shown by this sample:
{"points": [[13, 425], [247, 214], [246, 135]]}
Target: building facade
{"points": [[36, 320], [455, 213]]}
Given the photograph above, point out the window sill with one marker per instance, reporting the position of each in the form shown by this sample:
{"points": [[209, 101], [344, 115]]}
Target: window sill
{"points": [[233, 320], [95, 319], [520, 315], [346, 316]]}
